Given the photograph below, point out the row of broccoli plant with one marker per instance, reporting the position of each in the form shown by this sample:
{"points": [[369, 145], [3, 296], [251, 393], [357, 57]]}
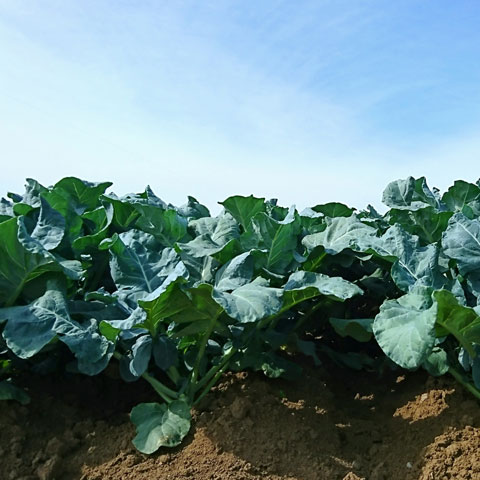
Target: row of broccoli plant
{"points": [[177, 297]]}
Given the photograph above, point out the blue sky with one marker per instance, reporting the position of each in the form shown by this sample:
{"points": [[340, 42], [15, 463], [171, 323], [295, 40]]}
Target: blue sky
{"points": [[306, 101]]}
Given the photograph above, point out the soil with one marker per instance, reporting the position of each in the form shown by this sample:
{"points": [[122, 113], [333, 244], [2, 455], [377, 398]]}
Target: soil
{"points": [[331, 424]]}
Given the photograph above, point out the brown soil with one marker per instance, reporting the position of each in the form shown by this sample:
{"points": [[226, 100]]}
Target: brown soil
{"points": [[334, 424]]}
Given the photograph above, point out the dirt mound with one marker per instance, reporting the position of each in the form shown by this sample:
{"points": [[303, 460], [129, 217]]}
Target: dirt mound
{"points": [[333, 424]]}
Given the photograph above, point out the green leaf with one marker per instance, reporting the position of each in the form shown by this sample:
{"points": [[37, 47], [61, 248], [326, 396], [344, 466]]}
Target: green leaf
{"points": [[139, 266], [278, 238], [167, 226], [165, 352], [11, 392], [50, 227], [30, 327], [160, 425], [334, 209], [235, 273], [358, 328], [303, 285], [410, 194], [141, 354], [243, 209], [17, 264], [250, 302], [405, 328], [101, 218], [193, 209], [342, 233], [462, 322], [436, 363], [415, 265], [461, 194], [461, 241], [6, 210]]}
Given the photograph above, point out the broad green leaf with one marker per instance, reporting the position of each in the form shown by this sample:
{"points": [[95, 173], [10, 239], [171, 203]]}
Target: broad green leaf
{"points": [[101, 218], [6, 210], [342, 233], [410, 194], [358, 328], [160, 425], [141, 354], [83, 195], [50, 227], [165, 352], [193, 209], [303, 285], [235, 273], [91, 349], [405, 328], [334, 209], [124, 212], [11, 392], [436, 363], [171, 301], [139, 266], [167, 226], [279, 238], [462, 322], [427, 223], [18, 265], [243, 209], [461, 194], [415, 265], [30, 327], [250, 302], [461, 241], [202, 307]]}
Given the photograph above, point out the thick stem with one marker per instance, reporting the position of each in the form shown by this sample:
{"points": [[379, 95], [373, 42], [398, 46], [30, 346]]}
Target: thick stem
{"points": [[214, 370], [210, 384], [460, 379], [201, 350], [166, 393]]}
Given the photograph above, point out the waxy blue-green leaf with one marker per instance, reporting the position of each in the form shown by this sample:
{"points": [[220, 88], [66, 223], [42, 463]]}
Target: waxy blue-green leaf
{"points": [[358, 328], [235, 273], [342, 233], [167, 226], [50, 227], [139, 266], [91, 349], [461, 241], [405, 328], [243, 209], [81, 194], [160, 425], [460, 321], [6, 210], [165, 352], [303, 285], [411, 194], [141, 354], [461, 194], [279, 238], [101, 218], [193, 209], [415, 265], [437, 363], [30, 327], [334, 209], [427, 223], [18, 265], [8, 391], [163, 304], [251, 302]]}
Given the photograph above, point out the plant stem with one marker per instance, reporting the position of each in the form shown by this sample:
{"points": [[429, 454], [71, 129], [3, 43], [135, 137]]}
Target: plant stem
{"points": [[166, 393], [210, 384], [211, 373], [201, 350], [460, 379]]}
